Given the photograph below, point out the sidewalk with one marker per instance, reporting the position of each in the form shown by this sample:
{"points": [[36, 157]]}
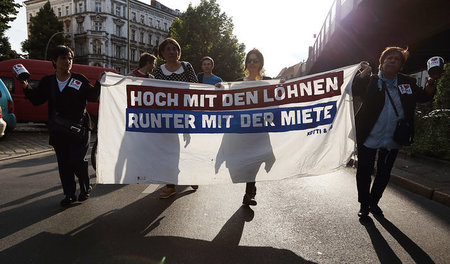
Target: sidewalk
{"points": [[26, 139], [419, 174], [423, 175]]}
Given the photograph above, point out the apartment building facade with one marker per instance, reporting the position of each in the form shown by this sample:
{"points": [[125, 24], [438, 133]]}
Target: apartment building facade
{"points": [[110, 33]]}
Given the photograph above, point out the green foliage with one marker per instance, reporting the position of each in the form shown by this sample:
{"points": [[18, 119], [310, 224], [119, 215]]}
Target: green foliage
{"points": [[6, 52], [42, 27], [205, 31], [432, 134], [8, 10], [442, 98], [432, 138]]}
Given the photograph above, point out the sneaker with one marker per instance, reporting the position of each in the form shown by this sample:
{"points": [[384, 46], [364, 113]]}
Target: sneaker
{"points": [[83, 197], [249, 200], [168, 191], [68, 200], [195, 187]]}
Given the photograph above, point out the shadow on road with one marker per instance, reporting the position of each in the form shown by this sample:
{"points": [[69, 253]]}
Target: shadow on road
{"points": [[384, 251], [412, 248], [124, 236]]}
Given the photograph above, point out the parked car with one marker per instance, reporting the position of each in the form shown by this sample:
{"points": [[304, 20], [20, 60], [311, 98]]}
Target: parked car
{"points": [[438, 113], [24, 110], [7, 106], [2, 125]]}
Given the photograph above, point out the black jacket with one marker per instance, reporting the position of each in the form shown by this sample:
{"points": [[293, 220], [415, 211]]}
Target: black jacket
{"points": [[70, 103], [373, 102]]}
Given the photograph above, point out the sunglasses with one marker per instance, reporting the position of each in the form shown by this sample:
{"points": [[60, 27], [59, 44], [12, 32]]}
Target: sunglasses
{"points": [[253, 61]]}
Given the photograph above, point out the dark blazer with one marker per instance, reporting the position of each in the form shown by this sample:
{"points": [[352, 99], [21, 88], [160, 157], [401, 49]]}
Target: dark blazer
{"points": [[373, 102], [70, 103]]}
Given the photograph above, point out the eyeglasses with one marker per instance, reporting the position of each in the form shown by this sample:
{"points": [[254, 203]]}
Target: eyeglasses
{"points": [[253, 61]]}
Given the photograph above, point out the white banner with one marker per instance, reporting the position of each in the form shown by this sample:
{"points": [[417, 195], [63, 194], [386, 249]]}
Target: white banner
{"points": [[154, 131]]}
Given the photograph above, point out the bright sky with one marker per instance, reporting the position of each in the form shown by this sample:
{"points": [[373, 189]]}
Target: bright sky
{"points": [[282, 30]]}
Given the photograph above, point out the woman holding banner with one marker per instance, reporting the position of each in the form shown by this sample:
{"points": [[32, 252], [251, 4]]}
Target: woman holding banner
{"points": [[243, 154], [173, 70]]}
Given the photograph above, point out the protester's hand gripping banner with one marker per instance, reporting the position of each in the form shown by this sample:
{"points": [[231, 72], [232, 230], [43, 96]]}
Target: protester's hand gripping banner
{"points": [[154, 131]]}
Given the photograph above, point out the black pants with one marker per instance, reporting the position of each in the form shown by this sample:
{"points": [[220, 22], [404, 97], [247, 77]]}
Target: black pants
{"points": [[71, 162], [366, 162]]}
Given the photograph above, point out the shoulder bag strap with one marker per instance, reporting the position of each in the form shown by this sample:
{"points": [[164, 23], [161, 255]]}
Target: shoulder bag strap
{"points": [[390, 99]]}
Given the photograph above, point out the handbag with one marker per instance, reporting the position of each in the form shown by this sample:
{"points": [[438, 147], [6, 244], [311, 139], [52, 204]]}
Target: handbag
{"points": [[72, 130], [404, 130], [68, 128]]}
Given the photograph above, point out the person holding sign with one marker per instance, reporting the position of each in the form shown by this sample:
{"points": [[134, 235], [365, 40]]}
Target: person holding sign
{"points": [[384, 122], [174, 70], [69, 122], [243, 154]]}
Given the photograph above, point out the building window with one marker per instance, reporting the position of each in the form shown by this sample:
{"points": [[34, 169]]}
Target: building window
{"points": [[150, 39], [98, 7], [133, 35], [118, 52], [67, 10], [165, 27], [59, 11], [158, 24], [142, 37], [150, 21], [118, 30], [97, 47], [133, 16], [80, 7], [117, 10], [98, 26], [80, 28], [142, 19], [133, 55]]}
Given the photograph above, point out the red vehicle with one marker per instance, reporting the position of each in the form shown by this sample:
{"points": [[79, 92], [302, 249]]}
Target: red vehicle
{"points": [[24, 110]]}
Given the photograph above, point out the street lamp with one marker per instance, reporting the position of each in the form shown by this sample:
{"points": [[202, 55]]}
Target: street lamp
{"points": [[50, 39]]}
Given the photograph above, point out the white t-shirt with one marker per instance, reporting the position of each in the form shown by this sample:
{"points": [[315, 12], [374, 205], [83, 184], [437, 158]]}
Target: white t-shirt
{"points": [[62, 84]]}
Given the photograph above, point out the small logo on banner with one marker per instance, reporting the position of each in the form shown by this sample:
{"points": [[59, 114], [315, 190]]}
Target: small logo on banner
{"points": [[405, 89], [74, 83]]}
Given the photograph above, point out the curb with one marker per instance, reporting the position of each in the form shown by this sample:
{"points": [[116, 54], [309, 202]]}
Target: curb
{"points": [[26, 154], [432, 193]]}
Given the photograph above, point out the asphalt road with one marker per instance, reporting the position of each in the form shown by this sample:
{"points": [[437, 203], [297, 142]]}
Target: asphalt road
{"points": [[300, 220]]}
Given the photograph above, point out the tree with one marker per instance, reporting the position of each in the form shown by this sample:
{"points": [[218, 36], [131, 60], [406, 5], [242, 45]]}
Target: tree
{"points": [[42, 27], [8, 10], [205, 31], [442, 97], [6, 52]]}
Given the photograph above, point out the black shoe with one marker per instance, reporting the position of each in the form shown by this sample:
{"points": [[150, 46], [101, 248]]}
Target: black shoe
{"points": [[83, 197], [363, 211], [195, 187], [68, 200], [376, 210], [249, 200]]}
